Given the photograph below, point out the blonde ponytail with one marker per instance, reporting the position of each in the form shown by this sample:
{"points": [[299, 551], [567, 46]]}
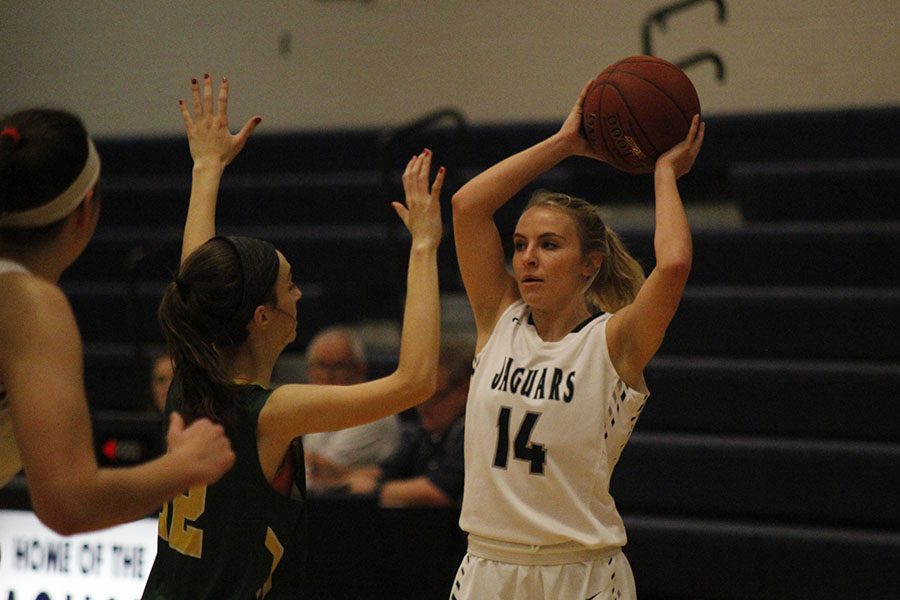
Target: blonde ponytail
{"points": [[620, 277]]}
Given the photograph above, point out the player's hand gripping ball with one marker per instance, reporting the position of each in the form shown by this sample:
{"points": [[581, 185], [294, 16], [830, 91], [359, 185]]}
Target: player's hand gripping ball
{"points": [[636, 109]]}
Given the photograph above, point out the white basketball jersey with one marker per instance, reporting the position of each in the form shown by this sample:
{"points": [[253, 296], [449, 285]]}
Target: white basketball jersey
{"points": [[10, 463], [546, 423]]}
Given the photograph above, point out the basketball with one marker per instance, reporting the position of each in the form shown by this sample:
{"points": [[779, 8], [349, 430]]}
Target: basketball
{"points": [[636, 109]]}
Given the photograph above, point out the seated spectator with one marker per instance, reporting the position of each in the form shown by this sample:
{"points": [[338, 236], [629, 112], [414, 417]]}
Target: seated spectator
{"points": [[336, 356], [160, 379], [427, 470]]}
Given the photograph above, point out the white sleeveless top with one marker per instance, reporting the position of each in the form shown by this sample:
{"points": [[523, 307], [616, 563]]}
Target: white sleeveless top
{"points": [[10, 463], [546, 423]]}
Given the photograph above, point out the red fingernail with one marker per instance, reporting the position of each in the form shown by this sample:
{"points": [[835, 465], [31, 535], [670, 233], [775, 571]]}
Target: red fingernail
{"points": [[181, 102], [206, 76], [193, 82], [224, 80], [257, 120], [441, 170]]}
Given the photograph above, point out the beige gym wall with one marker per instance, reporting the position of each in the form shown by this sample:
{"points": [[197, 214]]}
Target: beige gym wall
{"points": [[303, 64]]}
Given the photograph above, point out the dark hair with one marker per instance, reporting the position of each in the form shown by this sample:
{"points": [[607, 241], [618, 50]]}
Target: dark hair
{"points": [[206, 310], [620, 276], [42, 151]]}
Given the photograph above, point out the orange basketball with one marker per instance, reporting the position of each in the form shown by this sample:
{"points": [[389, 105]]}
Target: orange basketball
{"points": [[636, 109]]}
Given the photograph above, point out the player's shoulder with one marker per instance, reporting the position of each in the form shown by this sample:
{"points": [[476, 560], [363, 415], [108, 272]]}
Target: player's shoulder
{"points": [[516, 313], [23, 289], [29, 300]]}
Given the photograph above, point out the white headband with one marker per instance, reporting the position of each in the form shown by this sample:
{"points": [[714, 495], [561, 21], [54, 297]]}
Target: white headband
{"points": [[63, 204]]}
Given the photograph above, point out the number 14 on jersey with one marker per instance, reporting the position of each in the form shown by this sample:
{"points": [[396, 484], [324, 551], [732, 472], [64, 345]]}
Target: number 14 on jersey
{"points": [[523, 448]]}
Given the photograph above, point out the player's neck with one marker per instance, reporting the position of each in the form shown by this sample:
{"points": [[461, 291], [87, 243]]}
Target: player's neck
{"points": [[553, 325], [43, 261], [245, 366]]}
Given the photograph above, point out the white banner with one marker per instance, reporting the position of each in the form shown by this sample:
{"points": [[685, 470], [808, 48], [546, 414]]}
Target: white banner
{"points": [[38, 564]]}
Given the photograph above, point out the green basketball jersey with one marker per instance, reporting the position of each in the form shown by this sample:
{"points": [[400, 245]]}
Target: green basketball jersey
{"points": [[237, 538]]}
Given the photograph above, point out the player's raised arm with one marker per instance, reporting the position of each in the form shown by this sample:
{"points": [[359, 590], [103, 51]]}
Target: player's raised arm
{"points": [[297, 409], [637, 331], [212, 147], [479, 250]]}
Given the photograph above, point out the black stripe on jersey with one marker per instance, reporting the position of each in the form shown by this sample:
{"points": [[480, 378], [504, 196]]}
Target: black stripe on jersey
{"points": [[578, 327]]}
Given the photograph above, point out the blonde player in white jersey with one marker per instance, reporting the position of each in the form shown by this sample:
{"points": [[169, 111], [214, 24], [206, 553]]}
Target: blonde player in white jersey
{"points": [[562, 343]]}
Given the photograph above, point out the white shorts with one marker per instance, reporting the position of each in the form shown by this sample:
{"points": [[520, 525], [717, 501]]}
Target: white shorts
{"points": [[608, 578]]}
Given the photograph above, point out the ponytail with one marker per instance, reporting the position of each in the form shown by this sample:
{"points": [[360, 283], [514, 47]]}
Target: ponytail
{"points": [[201, 378], [619, 279]]}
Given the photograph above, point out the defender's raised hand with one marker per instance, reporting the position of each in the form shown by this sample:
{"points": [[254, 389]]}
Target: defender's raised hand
{"points": [[207, 129], [422, 212], [213, 147]]}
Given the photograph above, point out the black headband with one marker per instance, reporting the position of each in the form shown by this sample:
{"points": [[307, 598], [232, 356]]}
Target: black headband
{"points": [[257, 276], [258, 267]]}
